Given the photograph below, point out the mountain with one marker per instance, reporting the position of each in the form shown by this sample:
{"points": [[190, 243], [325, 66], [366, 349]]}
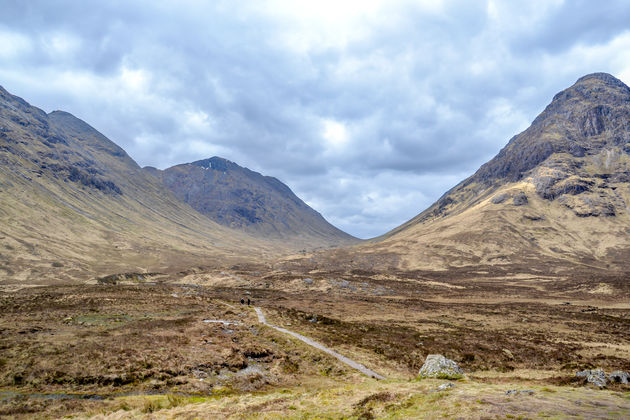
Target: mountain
{"points": [[555, 198], [74, 205], [239, 198]]}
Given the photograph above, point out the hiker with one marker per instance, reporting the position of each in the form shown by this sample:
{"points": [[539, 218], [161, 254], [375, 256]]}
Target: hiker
{"points": [[248, 302], [242, 301]]}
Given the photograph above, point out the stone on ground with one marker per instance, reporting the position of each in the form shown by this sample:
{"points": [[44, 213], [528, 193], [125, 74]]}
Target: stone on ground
{"points": [[619, 376], [596, 377], [438, 366]]}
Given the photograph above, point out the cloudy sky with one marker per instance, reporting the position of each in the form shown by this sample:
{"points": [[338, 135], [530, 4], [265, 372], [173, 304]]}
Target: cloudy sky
{"points": [[369, 110]]}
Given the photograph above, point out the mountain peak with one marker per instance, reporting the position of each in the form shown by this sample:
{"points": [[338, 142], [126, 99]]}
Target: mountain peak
{"points": [[606, 78], [240, 198], [600, 87], [217, 163], [557, 190], [581, 137]]}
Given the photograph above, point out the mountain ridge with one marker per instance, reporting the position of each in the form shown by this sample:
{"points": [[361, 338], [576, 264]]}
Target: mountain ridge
{"points": [[77, 206], [555, 198], [240, 198], [512, 166]]}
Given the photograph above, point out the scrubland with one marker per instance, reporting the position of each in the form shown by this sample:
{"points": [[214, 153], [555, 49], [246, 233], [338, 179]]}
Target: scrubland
{"points": [[185, 347]]}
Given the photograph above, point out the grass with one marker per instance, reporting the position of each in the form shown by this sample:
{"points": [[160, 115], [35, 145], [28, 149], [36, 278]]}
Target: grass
{"points": [[148, 339], [373, 399], [448, 376], [164, 402]]}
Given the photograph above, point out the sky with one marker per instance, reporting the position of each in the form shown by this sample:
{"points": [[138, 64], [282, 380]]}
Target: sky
{"points": [[369, 110]]}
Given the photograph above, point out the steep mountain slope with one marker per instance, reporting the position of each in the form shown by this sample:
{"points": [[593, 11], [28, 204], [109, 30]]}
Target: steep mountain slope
{"points": [[556, 196], [75, 205], [240, 198]]}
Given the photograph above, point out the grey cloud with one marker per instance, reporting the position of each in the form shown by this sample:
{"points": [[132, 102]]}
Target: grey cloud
{"points": [[576, 22], [425, 96]]}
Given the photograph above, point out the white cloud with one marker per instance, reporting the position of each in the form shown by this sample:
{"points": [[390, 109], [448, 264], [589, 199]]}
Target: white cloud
{"points": [[197, 122], [335, 134], [60, 44], [134, 79], [14, 45]]}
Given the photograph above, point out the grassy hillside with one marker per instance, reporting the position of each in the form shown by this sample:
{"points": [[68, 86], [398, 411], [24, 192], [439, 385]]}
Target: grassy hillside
{"points": [[75, 206], [556, 197]]}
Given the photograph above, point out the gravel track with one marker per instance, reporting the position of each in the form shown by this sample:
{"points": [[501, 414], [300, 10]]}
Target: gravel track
{"points": [[342, 358]]}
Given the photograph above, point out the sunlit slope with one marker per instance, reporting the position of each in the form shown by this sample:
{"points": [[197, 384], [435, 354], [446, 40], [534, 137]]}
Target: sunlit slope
{"points": [[557, 193], [74, 205]]}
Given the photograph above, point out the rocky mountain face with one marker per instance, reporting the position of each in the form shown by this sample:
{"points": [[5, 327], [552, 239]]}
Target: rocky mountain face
{"points": [[557, 195], [571, 153], [74, 205], [239, 198]]}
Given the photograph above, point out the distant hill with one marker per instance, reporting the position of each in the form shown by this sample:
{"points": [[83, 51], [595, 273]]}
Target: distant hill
{"points": [[74, 205], [239, 198], [557, 197]]}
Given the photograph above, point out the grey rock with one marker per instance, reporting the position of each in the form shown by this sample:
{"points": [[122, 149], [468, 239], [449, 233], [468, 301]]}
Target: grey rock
{"points": [[446, 386], [619, 376], [520, 199], [596, 377], [438, 366], [565, 187], [200, 374], [519, 392], [499, 198], [308, 280]]}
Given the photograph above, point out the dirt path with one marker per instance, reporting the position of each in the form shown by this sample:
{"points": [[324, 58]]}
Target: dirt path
{"points": [[342, 358]]}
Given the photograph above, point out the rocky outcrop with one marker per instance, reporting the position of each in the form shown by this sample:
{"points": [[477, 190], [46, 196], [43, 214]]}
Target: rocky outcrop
{"points": [[619, 376], [438, 366], [520, 199], [591, 205], [596, 377], [599, 378], [500, 198]]}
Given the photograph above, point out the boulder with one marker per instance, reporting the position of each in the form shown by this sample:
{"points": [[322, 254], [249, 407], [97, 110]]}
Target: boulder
{"points": [[498, 199], [596, 377], [520, 199], [438, 366], [619, 376]]}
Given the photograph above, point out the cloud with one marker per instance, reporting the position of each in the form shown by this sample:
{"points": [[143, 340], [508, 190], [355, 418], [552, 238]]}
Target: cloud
{"points": [[368, 110], [13, 44]]}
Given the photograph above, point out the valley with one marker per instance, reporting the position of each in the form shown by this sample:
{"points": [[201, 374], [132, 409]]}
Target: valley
{"points": [[207, 290], [143, 348]]}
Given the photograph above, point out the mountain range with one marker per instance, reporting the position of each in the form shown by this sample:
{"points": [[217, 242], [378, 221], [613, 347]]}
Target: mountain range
{"points": [[556, 198], [76, 206]]}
